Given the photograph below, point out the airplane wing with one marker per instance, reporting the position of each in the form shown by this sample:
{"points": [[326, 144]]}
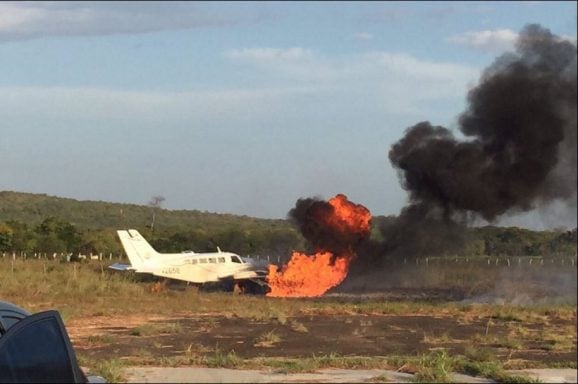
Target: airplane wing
{"points": [[249, 275], [121, 267]]}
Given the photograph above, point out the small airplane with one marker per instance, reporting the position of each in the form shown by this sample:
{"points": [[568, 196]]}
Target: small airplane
{"points": [[197, 268]]}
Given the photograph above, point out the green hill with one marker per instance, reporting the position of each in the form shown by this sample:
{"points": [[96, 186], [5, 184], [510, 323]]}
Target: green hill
{"points": [[32, 209], [41, 223], [25, 213]]}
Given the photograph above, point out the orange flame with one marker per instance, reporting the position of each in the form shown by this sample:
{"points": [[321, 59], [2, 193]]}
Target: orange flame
{"points": [[310, 276], [307, 276], [348, 217]]}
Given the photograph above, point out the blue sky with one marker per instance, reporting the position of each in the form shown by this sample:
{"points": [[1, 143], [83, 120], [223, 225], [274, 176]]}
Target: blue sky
{"points": [[239, 107]]}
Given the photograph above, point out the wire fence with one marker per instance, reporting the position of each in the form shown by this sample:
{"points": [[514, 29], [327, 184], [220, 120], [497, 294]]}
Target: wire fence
{"points": [[61, 256], [508, 261]]}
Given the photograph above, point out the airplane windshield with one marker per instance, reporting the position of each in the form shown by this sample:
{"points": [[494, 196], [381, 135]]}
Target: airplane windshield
{"points": [[236, 259]]}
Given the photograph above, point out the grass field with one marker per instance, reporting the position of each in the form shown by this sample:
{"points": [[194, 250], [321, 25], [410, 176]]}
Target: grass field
{"points": [[424, 319]]}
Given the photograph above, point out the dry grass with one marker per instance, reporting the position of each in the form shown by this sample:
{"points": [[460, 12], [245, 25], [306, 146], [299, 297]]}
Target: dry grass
{"points": [[444, 338], [267, 340], [82, 290], [152, 329]]}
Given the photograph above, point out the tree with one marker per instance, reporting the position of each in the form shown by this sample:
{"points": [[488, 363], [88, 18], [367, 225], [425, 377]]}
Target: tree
{"points": [[155, 203], [56, 235], [6, 234]]}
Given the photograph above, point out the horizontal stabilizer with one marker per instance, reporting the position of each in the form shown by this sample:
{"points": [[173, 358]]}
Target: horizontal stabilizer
{"points": [[121, 267]]}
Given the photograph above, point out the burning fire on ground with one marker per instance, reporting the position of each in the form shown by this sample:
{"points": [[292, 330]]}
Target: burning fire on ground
{"points": [[334, 228]]}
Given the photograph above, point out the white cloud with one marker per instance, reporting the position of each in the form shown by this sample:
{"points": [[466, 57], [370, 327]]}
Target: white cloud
{"points": [[258, 55], [362, 36], [493, 41], [412, 67], [26, 20], [391, 74], [78, 103], [571, 39], [284, 79], [295, 63]]}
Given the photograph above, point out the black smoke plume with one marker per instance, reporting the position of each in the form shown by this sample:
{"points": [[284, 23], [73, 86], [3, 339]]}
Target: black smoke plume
{"points": [[313, 217], [519, 149]]}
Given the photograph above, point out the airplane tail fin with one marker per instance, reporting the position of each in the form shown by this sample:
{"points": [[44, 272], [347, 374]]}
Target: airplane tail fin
{"points": [[136, 247]]}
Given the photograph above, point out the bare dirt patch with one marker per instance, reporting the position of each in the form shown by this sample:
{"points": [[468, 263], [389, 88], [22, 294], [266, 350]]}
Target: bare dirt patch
{"points": [[146, 339]]}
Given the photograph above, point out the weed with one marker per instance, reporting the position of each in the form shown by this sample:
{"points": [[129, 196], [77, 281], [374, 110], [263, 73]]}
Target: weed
{"points": [[487, 369], [298, 326], [490, 369], [519, 330], [143, 353], [442, 339], [434, 367], [559, 339], [100, 339], [173, 361], [110, 369], [208, 324], [379, 379], [194, 349], [481, 354], [156, 329], [290, 365], [267, 340], [223, 360], [504, 377], [511, 344]]}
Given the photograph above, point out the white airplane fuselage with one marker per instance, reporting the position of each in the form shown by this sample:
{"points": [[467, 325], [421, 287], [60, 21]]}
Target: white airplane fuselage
{"points": [[187, 266]]}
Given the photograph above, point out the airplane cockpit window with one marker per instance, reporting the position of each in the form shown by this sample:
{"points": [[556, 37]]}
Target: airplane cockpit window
{"points": [[212, 260], [202, 261], [235, 259], [194, 261], [220, 259]]}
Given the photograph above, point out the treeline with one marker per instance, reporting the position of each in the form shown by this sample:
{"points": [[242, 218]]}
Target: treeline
{"points": [[514, 241], [488, 241], [54, 235], [36, 223]]}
